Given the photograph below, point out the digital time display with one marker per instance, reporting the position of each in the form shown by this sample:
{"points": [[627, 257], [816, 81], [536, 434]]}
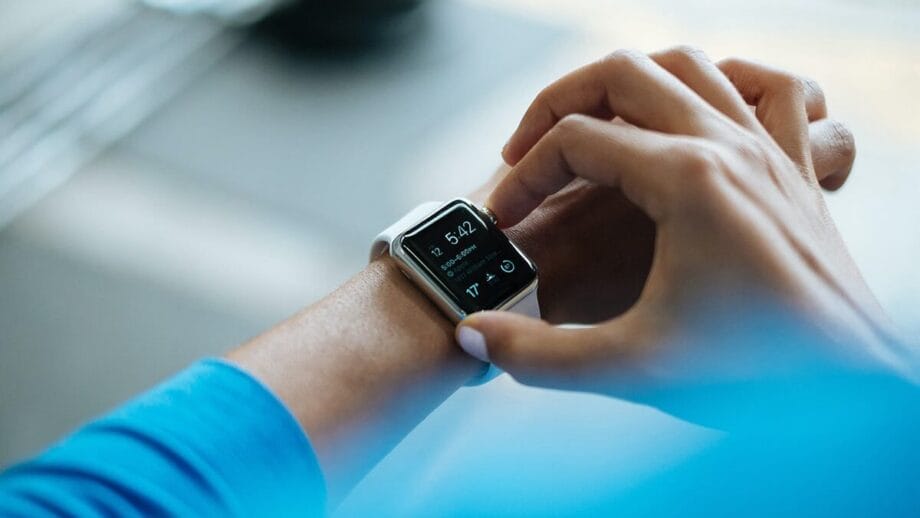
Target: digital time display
{"points": [[469, 257]]}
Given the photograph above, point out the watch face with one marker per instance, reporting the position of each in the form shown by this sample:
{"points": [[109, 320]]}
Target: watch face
{"points": [[468, 257]]}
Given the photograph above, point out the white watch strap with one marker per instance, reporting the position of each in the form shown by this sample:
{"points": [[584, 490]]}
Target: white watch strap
{"points": [[528, 306], [382, 242]]}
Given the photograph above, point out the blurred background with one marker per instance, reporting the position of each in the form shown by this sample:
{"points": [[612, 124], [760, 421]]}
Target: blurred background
{"points": [[176, 176]]}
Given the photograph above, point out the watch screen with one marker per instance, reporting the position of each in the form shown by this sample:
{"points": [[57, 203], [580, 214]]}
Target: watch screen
{"points": [[470, 258]]}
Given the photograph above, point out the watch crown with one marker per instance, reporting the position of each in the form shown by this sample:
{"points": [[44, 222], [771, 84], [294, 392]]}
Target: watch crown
{"points": [[490, 214]]}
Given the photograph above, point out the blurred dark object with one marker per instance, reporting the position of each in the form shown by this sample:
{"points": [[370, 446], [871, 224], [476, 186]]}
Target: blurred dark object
{"points": [[310, 24], [342, 23]]}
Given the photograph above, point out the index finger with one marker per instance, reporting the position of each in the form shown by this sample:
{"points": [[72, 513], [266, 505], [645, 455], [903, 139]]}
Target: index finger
{"points": [[627, 84], [601, 152]]}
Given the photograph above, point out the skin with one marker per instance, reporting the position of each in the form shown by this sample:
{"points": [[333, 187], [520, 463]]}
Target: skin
{"points": [[360, 368], [735, 197]]}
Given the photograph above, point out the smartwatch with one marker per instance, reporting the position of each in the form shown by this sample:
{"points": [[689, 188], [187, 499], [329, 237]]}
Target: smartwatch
{"points": [[454, 253]]}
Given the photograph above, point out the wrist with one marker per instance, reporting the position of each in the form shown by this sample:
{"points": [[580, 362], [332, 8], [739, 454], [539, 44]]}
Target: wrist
{"points": [[409, 323], [360, 368], [593, 250]]}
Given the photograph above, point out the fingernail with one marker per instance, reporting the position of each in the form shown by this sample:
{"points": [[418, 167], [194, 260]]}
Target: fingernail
{"points": [[473, 342]]}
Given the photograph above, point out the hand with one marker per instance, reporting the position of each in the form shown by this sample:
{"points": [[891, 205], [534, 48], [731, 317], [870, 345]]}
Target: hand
{"points": [[617, 259], [735, 199], [591, 231]]}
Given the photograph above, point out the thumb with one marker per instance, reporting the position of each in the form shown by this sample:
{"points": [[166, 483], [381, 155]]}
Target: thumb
{"points": [[537, 353]]}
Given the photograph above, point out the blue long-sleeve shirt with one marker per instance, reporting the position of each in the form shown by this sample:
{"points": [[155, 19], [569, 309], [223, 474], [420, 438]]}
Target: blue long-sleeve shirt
{"points": [[211, 441]]}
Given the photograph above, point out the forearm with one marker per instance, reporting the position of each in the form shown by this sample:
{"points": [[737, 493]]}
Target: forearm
{"points": [[357, 371], [360, 368]]}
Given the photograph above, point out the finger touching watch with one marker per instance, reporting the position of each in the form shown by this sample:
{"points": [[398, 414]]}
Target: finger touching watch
{"points": [[454, 253]]}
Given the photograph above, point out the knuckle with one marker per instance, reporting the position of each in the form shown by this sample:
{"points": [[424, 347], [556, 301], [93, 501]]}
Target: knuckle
{"points": [[750, 150], [682, 59], [686, 54], [730, 62], [734, 66], [544, 97], [701, 164], [812, 89], [624, 58], [514, 357], [572, 123], [701, 170]]}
